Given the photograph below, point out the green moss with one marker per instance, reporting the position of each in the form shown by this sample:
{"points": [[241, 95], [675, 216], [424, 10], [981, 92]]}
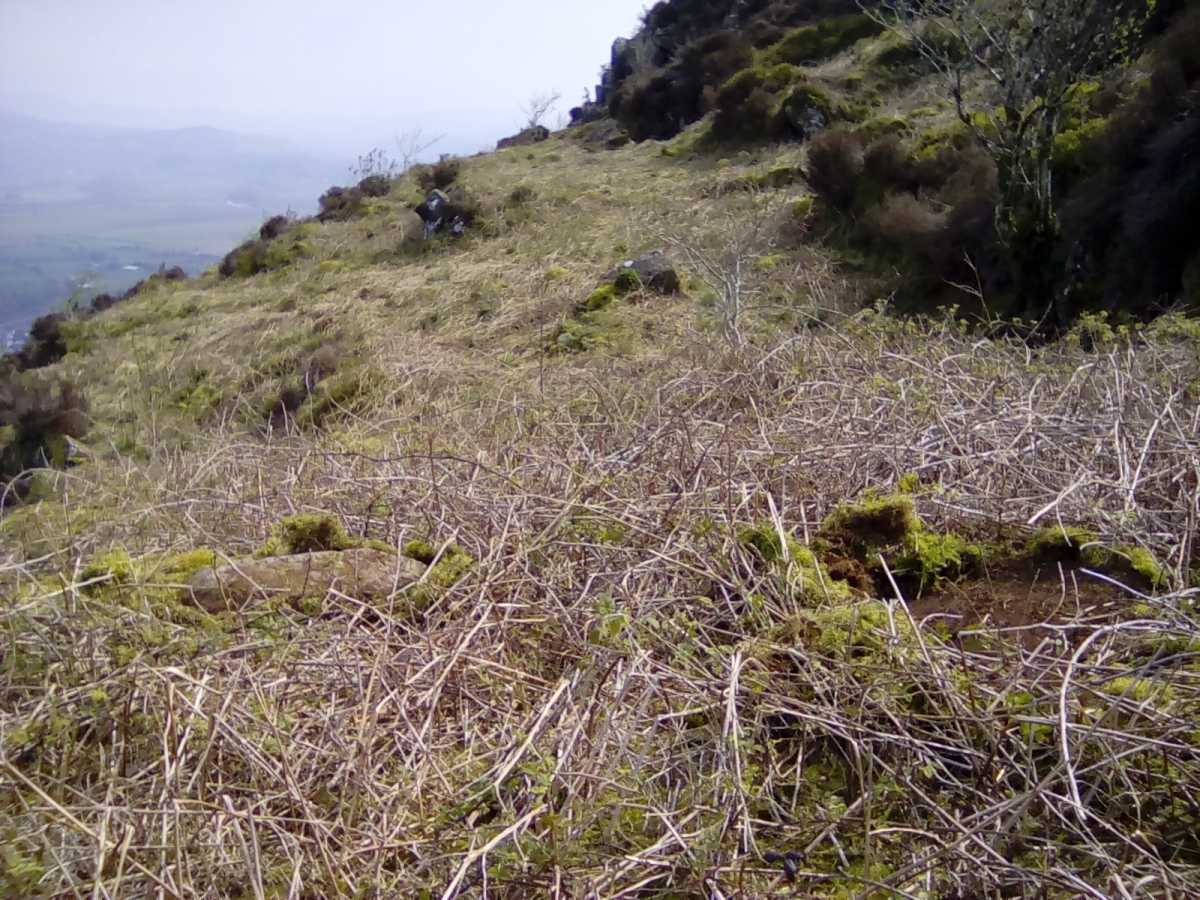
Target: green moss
{"points": [[113, 567], [421, 551], [181, 566], [863, 627], [627, 281], [929, 558], [809, 579], [1139, 689], [1125, 561], [345, 392], [587, 330], [888, 526], [863, 529], [1059, 544], [600, 298], [306, 533], [454, 563], [882, 126], [831, 36]]}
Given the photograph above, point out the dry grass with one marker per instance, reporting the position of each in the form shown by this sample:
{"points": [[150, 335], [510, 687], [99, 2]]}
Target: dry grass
{"points": [[617, 701]]}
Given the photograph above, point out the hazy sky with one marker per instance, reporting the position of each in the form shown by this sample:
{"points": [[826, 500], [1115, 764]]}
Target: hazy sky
{"points": [[241, 63]]}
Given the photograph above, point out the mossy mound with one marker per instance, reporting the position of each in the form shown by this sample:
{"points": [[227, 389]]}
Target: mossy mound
{"points": [[888, 528], [770, 103], [1066, 544], [827, 38]]}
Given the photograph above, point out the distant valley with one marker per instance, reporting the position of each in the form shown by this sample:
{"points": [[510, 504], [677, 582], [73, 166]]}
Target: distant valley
{"points": [[93, 208]]}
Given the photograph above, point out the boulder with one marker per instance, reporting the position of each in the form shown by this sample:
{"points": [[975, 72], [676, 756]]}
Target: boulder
{"points": [[534, 134], [362, 574], [411, 229], [654, 271]]}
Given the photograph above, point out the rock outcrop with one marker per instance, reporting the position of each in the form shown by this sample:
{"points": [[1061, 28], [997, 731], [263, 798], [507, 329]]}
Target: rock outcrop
{"points": [[652, 271]]}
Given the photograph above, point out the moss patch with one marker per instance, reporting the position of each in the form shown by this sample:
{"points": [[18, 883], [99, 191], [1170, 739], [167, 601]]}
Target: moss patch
{"points": [[810, 581], [308, 533]]}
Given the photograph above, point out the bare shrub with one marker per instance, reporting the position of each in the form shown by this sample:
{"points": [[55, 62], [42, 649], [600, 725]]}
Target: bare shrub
{"points": [[906, 221], [835, 161], [440, 175]]}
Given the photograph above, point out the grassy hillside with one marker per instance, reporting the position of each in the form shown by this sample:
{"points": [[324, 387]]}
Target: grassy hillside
{"points": [[752, 590]]}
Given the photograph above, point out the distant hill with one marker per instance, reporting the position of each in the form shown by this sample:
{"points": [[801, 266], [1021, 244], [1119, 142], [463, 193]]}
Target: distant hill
{"points": [[79, 199]]}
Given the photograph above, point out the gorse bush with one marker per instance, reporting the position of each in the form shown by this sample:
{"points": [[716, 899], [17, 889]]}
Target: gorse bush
{"points": [[39, 418]]}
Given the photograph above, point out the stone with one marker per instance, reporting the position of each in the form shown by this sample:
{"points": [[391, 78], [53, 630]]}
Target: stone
{"points": [[363, 574], [410, 228], [653, 269]]}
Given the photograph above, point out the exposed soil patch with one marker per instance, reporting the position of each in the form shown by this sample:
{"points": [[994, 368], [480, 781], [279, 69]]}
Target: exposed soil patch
{"points": [[1018, 593]]}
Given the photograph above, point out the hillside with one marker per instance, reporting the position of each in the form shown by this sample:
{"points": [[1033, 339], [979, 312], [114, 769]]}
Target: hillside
{"points": [[373, 566]]}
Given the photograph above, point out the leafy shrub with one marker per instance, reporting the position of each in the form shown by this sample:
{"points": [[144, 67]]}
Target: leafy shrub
{"points": [[273, 228], [908, 222], [260, 255], [769, 103], [660, 103], [46, 343]]}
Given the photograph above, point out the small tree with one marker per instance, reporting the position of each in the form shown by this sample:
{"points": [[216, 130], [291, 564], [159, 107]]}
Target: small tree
{"points": [[536, 108], [1031, 56], [723, 256], [412, 144]]}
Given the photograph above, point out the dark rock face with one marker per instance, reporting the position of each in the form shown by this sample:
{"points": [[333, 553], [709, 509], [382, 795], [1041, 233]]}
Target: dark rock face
{"points": [[657, 82], [653, 271], [535, 134]]}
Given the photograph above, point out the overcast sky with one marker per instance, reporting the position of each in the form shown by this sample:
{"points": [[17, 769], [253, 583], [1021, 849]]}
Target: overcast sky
{"points": [[274, 65]]}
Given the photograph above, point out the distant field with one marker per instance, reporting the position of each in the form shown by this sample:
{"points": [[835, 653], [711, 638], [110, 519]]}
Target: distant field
{"points": [[45, 250]]}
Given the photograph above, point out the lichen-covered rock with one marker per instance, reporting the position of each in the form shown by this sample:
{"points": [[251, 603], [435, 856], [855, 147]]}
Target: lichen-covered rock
{"points": [[653, 271], [302, 579]]}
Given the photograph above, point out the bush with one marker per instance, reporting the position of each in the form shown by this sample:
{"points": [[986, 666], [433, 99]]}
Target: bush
{"points": [[770, 103], [440, 175], [46, 343], [375, 186], [339, 204], [908, 222], [273, 227], [835, 161], [41, 421]]}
